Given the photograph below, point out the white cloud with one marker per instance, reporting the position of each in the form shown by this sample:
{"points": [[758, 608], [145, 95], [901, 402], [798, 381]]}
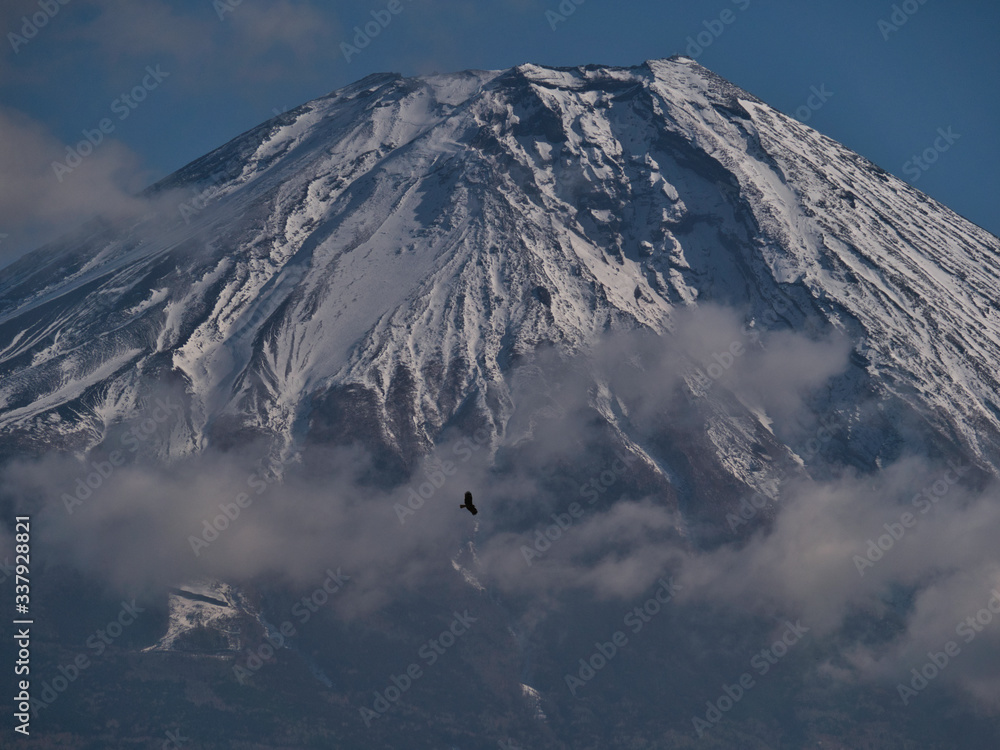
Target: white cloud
{"points": [[35, 206]]}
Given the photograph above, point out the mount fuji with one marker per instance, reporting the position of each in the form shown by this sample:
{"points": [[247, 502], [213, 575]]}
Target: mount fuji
{"points": [[578, 266], [398, 243]]}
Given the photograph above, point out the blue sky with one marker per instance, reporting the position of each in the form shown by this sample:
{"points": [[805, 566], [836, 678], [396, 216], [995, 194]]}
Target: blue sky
{"points": [[894, 77]]}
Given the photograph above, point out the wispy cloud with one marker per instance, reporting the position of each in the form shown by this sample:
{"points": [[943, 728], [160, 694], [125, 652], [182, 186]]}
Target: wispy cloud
{"points": [[137, 530], [35, 206]]}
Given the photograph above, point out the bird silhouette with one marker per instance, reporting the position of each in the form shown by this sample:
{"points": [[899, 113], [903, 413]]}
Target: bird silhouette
{"points": [[468, 504]]}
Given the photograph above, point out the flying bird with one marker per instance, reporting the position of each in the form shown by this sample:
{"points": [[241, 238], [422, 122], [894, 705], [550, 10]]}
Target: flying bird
{"points": [[468, 504]]}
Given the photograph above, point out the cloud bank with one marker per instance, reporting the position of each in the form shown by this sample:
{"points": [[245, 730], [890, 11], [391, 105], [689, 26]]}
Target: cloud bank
{"points": [[913, 544]]}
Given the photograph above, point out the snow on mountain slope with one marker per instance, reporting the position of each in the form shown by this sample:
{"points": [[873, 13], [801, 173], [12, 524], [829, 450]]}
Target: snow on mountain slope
{"points": [[394, 248], [203, 607], [919, 279]]}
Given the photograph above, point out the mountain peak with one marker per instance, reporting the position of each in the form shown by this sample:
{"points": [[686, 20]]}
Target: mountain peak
{"points": [[400, 242]]}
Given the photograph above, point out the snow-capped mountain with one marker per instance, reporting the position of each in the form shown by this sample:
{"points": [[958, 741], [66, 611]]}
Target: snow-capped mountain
{"points": [[371, 264], [516, 258]]}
